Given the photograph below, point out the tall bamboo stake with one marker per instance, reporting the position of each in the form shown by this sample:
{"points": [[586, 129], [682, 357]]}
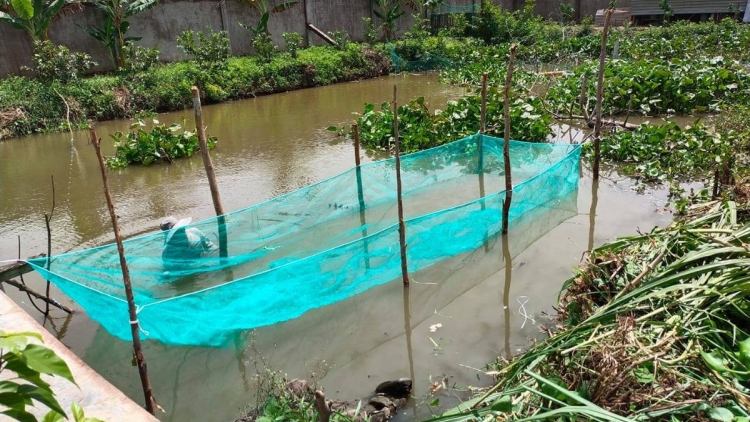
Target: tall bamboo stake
{"points": [[47, 220], [208, 164], [592, 212], [482, 130], [134, 325], [401, 225], [506, 143], [360, 194], [599, 96], [506, 293]]}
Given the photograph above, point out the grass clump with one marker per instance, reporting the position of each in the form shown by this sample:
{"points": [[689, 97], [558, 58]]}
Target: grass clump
{"points": [[652, 327]]}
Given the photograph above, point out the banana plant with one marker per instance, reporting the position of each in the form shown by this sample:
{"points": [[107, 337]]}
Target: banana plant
{"points": [[264, 7], [389, 12], [32, 16], [112, 32]]}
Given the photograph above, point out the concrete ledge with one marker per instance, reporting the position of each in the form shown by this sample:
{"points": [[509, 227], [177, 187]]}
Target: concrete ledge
{"points": [[97, 397]]}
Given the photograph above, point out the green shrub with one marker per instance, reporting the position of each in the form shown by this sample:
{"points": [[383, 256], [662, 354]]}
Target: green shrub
{"points": [[138, 59], [210, 52], [56, 63], [341, 38], [292, 40], [370, 31], [162, 142], [263, 46]]}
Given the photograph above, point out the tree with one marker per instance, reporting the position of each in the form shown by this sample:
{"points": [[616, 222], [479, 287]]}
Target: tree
{"points": [[116, 25], [33, 17], [389, 12]]}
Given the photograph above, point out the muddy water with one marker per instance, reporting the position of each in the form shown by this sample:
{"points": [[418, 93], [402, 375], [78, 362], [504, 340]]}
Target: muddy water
{"points": [[456, 317]]}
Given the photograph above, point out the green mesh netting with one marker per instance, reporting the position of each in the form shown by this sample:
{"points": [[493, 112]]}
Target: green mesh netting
{"points": [[316, 245], [426, 62]]}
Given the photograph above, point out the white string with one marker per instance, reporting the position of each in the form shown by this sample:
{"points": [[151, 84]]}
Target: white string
{"points": [[140, 328], [522, 311]]}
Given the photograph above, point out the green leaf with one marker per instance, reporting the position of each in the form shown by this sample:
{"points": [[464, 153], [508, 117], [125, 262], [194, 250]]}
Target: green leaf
{"points": [[42, 395], [720, 414], [435, 402], [504, 405], [20, 415], [714, 362], [24, 8], [745, 351], [45, 361], [77, 412], [53, 416], [12, 400]]}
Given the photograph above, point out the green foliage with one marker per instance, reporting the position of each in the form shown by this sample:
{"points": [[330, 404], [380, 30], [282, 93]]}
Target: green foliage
{"points": [[666, 152], [33, 16], [655, 86], [494, 25], [458, 25], [567, 13], [420, 129], [33, 106], [666, 7], [293, 41], [370, 31], [138, 59], [264, 47], [161, 142], [116, 25], [210, 50], [56, 63], [28, 361], [341, 38], [75, 409], [388, 11]]}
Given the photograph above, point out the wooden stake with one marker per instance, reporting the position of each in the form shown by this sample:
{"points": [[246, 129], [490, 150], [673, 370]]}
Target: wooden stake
{"points": [[208, 164], [506, 143], [355, 129], [134, 325], [47, 220], [482, 130], [592, 212], [360, 194], [401, 225], [506, 294], [599, 96]]}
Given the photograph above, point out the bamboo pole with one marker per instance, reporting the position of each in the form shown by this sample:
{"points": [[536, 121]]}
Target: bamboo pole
{"points": [[134, 325], [506, 143], [599, 96], [208, 164], [360, 195], [506, 294], [592, 213], [401, 225], [482, 130], [47, 220]]}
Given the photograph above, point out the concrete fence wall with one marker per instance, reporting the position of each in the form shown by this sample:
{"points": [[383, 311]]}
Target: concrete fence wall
{"points": [[160, 26]]}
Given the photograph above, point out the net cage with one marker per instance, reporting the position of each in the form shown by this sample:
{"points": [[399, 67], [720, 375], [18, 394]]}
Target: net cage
{"points": [[314, 246]]}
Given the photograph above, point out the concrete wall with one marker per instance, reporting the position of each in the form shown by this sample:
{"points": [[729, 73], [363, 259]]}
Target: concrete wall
{"points": [[160, 26]]}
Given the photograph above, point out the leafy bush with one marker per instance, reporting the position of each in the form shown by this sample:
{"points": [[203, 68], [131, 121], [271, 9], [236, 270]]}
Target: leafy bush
{"points": [[567, 13], [263, 46], [341, 38], [210, 52], [56, 63], [370, 31], [138, 59], [162, 142], [292, 40]]}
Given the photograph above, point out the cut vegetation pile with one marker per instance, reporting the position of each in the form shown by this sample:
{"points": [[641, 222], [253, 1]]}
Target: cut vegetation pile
{"points": [[653, 327]]}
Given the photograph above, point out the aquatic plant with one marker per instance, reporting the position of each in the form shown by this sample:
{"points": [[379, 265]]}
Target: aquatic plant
{"points": [[161, 143], [653, 327], [420, 129]]}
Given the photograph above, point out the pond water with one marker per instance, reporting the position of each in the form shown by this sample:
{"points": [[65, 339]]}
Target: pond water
{"points": [[455, 318]]}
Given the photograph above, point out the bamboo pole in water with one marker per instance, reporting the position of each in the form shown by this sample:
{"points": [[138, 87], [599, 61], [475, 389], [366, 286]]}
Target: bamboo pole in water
{"points": [[506, 141], [360, 194], [401, 225], [599, 96], [134, 325], [482, 129], [208, 164]]}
